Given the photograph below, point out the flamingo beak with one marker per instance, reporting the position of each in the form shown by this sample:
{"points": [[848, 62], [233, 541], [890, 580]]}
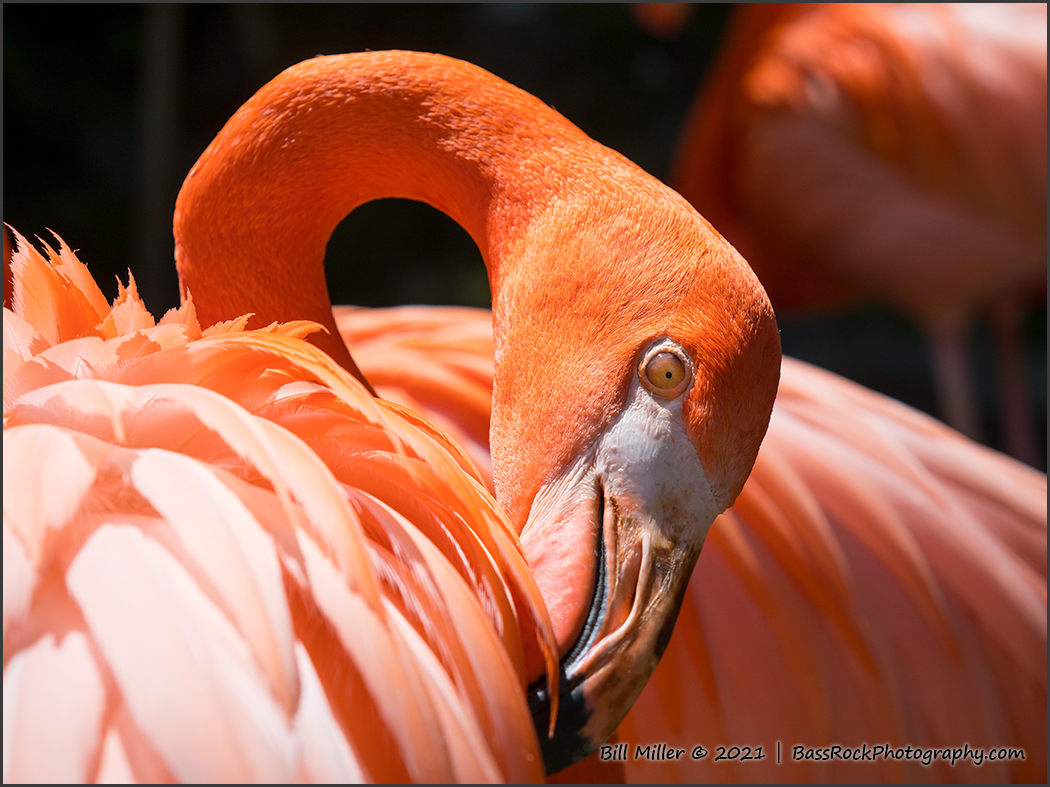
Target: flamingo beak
{"points": [[639, 583], [612, 543]]}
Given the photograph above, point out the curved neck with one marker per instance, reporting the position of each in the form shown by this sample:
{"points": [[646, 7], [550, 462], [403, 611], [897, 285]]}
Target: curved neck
{"points": [[589, 258], [256, 211]]}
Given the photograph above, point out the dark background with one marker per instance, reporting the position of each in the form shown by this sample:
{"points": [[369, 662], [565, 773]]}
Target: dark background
{"points": [[106, 107]]}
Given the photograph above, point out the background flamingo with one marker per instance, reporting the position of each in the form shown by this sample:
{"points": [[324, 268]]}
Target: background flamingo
{"points": [[894, 153]]}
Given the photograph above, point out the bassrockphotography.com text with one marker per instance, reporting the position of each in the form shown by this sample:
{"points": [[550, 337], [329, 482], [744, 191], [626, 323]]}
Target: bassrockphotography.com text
{"points": [[661, 752]]}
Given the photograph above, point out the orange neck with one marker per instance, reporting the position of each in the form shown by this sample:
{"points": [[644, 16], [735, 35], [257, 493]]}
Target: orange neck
{"points": [[333, 133]]}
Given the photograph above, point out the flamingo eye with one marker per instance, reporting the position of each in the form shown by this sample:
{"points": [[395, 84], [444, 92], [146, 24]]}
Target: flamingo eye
{"points": [[665, 373]]}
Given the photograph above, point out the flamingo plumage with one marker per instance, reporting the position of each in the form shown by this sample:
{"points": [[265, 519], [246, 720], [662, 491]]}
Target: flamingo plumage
{"points": [[241, 580], [444, 366], [889, 153], [881, 579], [602, 394]]}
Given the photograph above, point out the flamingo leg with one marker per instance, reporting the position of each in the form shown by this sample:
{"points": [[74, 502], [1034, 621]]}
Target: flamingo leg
{"points": [[953, 375], [1015, 403]]}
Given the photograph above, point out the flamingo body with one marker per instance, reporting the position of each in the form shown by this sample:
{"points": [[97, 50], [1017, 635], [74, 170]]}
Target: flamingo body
{"points": [[251, 569], [442, 366]]}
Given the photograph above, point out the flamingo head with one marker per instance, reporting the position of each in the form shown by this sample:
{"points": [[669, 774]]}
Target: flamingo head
{"points": [[633, 387]]}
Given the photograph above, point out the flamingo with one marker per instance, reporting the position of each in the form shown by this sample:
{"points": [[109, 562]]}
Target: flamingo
{"points": [[890, 152], [244, 531]]}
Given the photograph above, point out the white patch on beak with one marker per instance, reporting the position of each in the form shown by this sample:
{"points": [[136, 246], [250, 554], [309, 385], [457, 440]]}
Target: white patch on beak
{"points": [[648, 464]]}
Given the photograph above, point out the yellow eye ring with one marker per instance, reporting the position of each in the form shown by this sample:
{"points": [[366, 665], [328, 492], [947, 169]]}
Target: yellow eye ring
{"points": [[664, 371]]}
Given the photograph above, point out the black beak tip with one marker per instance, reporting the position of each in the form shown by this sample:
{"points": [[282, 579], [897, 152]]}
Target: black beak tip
{"points": [[569, 744]]}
